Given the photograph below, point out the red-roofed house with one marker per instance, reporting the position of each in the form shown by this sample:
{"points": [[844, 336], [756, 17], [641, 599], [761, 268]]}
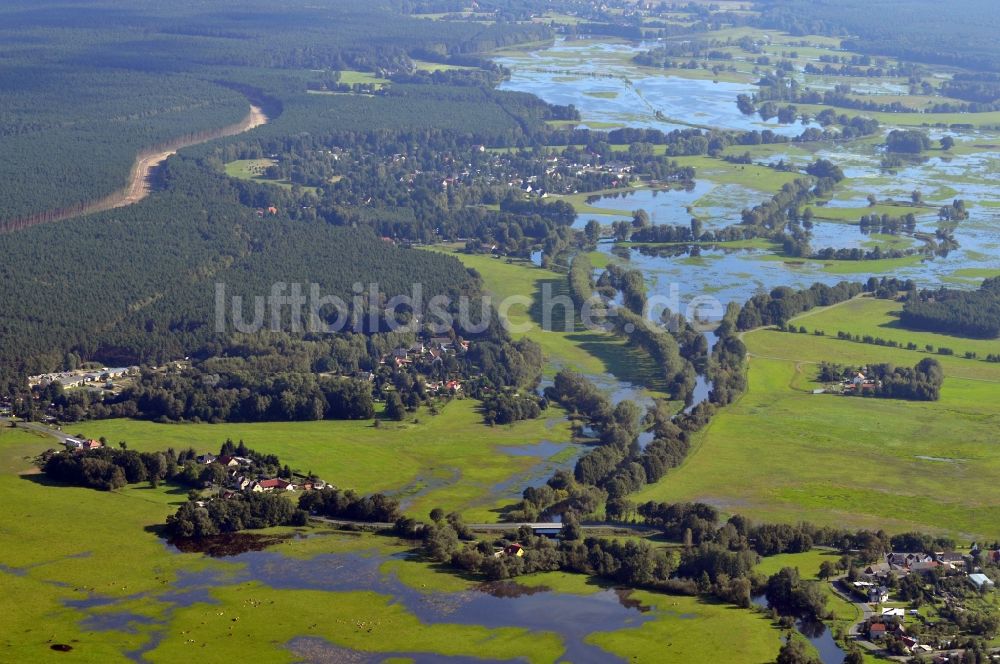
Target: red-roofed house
{"points": [[276, 484]]}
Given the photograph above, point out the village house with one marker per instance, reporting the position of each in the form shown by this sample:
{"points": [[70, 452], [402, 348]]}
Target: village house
{"points": [[859, 383], [893, 614], [953, 558], [440, 343], [879, 595], [276, 484], [981, 581], [876, 571], [925, 567], [906, 560], [876, 632]]}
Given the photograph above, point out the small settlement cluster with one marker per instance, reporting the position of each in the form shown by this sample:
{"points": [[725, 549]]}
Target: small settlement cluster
{"points": [[239, 472], [874, 582]]}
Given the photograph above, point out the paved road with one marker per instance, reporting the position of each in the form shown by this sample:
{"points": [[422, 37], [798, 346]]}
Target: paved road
{"points": [[866, 611], [36, 426], [639, 529]]}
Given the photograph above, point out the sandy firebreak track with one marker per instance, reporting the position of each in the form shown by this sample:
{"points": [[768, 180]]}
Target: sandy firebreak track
{"points": [[139, 184], [139, 180]]}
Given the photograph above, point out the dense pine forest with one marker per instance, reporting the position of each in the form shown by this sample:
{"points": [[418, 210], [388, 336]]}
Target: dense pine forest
{"points": [[86, 89], [960, 33]]}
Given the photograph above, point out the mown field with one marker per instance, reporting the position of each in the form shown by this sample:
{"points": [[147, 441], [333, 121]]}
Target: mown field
{"points": [[782, 453]]}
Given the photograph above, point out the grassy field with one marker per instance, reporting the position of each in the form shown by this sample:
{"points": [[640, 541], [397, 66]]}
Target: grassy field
{"points": [[424, 65], [782, 453], [759, 178], [449, 460], [580, 204], [349, 77], [101, 549], [880, 318], [253, 171], [916, 119], [847, 267], [102, 545], [700, 632]]}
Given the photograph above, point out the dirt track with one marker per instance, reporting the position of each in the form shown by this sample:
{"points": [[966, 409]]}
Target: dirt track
{"points": [[139, 182]]}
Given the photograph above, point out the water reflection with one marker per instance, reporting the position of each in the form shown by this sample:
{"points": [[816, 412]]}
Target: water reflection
{"points": [[493, 605]]}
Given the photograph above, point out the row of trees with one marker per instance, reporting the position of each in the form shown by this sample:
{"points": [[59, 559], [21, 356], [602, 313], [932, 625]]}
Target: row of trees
{"points": [[347, 504], [244, 511], [782, 303]]}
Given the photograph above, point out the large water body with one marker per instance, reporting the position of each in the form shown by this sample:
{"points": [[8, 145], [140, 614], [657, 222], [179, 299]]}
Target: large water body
{"points": [[599, 80], [605, 87]]}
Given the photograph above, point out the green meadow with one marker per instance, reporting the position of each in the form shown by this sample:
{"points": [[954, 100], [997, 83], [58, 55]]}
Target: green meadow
{"points": [[573, 346], [105, 545], [253, 170], [350, 77], [449, 460], [782, 453]]}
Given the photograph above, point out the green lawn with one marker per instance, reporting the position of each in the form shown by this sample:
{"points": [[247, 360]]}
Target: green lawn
{"points": [[782, 453]]}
